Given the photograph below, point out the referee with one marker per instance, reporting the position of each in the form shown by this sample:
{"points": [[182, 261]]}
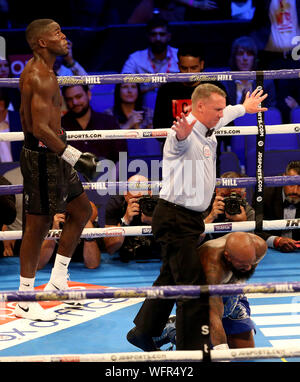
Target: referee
{"points": [[189, 177]]}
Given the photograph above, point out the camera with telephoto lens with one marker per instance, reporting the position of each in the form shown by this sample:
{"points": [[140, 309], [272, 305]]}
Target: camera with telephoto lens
{"points": [[233, 203], [147, 204]]}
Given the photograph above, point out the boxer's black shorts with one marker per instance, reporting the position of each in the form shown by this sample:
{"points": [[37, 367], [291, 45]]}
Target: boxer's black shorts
{"points": [[50, 183]]}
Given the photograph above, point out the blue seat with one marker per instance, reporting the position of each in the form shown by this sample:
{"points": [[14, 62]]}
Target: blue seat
{"points": [[275, 161], [273, 142], [238, 143], [102, 97], [278, 141], [243, 144], [229, 161]]}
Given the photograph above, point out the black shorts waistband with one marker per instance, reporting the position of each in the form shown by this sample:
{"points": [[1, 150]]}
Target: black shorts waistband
{"points": [[32, 143]]}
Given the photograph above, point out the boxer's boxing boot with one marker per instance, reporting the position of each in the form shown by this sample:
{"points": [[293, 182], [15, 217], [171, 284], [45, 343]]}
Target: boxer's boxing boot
{"points": [[34, 311], [59, 281]]}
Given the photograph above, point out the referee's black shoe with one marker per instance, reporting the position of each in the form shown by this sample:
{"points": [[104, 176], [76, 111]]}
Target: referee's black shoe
{"points": [[141, 340]]}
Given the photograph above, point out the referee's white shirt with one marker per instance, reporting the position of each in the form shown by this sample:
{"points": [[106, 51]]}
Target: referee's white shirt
{"points": [[189, 166]]}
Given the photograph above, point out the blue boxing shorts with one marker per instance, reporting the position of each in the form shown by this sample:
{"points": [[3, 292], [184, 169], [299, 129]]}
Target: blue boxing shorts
{"points": [[236, 318], [50, 183]]}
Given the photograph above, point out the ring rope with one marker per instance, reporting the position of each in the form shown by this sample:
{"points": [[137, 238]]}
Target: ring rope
{"points": [[274, 181], [93, 233], [161, 292], [178, 355], [164, 77], [157, 133]]}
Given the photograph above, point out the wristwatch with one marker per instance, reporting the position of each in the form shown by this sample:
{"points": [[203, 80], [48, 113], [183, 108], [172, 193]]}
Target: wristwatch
{"points": [[123, 222]]}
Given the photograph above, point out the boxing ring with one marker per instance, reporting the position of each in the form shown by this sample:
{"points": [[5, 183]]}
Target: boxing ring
{"points": [[292, 287]]}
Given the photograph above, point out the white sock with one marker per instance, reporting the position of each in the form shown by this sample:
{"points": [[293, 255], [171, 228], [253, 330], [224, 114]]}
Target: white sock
{"points": [[61, 263], [26, 284]]}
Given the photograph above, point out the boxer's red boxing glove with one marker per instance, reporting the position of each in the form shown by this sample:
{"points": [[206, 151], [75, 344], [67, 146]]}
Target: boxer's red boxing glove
{"points": [[85, 163]]}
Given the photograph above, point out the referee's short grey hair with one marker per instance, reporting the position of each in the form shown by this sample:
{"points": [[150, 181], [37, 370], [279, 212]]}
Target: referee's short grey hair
{"points": [[203, 91]]}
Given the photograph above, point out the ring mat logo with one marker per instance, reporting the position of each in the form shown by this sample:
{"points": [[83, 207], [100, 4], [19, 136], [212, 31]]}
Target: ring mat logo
{"points": [[7, 308], [14, 331]]}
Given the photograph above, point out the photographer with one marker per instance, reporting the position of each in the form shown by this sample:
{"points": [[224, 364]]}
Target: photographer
{"points": [[8, 209], [135, 208], [87, 251], [228, 205], [283, 203]]}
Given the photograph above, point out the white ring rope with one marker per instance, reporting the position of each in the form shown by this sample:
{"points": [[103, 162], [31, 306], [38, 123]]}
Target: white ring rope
{"points": [[89, 233], [160, 356], [156, 133]]}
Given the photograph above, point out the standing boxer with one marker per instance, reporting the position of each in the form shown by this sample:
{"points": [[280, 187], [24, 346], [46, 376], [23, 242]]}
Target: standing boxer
{"points": [[48, 165]]}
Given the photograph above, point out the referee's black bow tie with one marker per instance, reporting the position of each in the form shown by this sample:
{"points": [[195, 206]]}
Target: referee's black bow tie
{"points": [[209, 132]]}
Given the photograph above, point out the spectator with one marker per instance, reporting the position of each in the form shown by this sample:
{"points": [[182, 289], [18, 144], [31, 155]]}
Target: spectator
{"points": [[244, 58], [218, 212], [4, 69], [9, 122], [174, 98], [81, 117], [275, 24], [283, 203], [128, 108], [67, 66], [131, 114], [87, 250], [123, 211], [12, 247], [291, 102], [13, 93], [8, 208], [159, 57]]}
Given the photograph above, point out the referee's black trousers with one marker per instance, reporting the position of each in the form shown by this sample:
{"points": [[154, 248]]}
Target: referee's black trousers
{"points": [[177, 229]]}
